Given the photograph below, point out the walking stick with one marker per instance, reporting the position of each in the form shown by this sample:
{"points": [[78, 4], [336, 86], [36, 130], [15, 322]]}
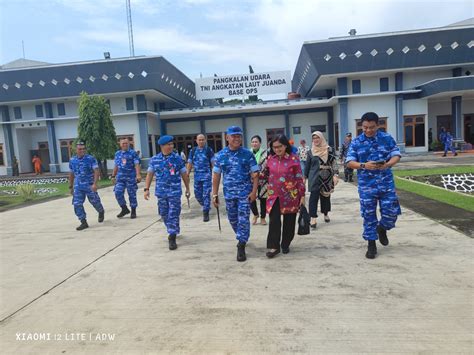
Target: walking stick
{"points": [[218, 215]]}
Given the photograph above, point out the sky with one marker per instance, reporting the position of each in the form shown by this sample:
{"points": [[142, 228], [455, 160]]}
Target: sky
{"points": [[205, 36]]}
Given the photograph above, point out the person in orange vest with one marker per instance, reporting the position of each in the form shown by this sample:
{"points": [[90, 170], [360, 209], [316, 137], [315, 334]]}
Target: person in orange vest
{"points": [[37, 164]]}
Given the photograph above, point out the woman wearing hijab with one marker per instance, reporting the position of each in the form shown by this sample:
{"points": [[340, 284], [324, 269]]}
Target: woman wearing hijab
{"points": [[286, 193], [261, 158], [321, 171]]}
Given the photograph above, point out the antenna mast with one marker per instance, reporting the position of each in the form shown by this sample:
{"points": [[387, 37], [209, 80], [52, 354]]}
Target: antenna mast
{"points": [[130, 29]]}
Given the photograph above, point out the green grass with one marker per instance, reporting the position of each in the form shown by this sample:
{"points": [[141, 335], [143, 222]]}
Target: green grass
{"points": [[456, 199], [435, 171], [8, 202]]}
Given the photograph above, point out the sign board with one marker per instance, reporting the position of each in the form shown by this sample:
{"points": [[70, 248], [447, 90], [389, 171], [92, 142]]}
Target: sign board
{"points": [[237, 86]]}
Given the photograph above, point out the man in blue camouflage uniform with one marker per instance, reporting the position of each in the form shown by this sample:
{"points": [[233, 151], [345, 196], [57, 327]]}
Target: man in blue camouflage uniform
{"points": [[83, 177], [374, 153], [126, 175], [448, 144], [168, 168], [240, 171], [202, 159], [348, 173]]}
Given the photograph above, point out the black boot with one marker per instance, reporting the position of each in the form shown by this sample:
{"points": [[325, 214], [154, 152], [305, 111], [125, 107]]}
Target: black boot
{"points": [[124, 212], [382, 235], [83, 225], [134, 213], [371, 250], [101, 216], [351, 178], [346, 178], [205, 216], [241, 252], [172, 242]]}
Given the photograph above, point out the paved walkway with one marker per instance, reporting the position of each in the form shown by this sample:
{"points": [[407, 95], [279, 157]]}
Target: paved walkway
{"points": [[120, 279]]}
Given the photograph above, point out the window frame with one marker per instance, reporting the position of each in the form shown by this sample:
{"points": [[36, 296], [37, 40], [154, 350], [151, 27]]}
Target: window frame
{"points": [[413, 123], [129, 104], [17, 113], [2, 156], [69, 145], [39, 111], [61, 112]]}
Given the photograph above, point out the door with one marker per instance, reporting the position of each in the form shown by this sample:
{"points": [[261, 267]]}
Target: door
{"points": [[43, 153], [469, 128], [273, 132], [443, 121]]}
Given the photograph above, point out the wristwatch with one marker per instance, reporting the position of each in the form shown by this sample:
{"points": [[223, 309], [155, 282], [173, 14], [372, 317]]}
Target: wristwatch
{"points": [[362, 166], [146, 189]]}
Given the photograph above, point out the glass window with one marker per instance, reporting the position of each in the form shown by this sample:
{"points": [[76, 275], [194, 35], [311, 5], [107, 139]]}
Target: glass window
{"points": [[17, 112], [61, 109], [296, 130], [2, 159], [414, 128], [39, 110], [356, 87], [129, 103], [383, 84], [66, 145]]}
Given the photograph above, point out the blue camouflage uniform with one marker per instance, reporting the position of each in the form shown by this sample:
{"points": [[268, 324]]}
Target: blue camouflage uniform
{"points": [[448, 143], [375, 186], [83, 170], [201, 158], [237, 166], [126, 177], [168, 170]]}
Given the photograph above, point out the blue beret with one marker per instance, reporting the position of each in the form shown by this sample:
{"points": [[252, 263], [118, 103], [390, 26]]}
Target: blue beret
{"points": [[234, 130], [165, 140]]}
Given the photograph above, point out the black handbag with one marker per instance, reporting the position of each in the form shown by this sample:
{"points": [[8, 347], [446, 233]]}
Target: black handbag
{"points": [[303, 221]]}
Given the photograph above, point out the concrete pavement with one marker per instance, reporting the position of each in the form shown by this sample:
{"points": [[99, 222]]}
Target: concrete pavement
{"points": [[116, 288]]}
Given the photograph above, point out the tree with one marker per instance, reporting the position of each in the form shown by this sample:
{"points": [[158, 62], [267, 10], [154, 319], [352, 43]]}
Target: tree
{"points": [[97, 130]]}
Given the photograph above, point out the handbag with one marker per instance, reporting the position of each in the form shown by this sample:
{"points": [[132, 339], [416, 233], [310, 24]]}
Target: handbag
{"points": [[303, 221]]}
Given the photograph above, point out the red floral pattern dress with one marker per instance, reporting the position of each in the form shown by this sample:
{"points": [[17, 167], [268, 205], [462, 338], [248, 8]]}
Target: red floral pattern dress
{"points": [[285, 181]]}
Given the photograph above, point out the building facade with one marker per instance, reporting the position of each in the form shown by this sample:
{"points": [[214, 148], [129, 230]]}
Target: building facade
{"points": [[416, 81]]}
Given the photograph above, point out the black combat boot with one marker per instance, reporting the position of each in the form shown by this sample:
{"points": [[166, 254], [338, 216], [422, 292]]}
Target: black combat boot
{"points": [[124, 212], [346, 177], [172, 242], [83, 225], [371, 250], [134, 213], [205, 216], [241, 252], [382, 235], [351, 178], [101, 216]]}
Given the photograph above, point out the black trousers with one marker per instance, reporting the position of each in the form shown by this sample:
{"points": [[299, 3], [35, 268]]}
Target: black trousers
{"points": [[275, 231], [263, 206], [313, 204]]}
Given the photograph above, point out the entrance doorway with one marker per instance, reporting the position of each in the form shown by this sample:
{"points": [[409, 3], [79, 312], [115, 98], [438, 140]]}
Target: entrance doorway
{"points": [[469, 128], [273, 132], [43, 154], [444, 121]]}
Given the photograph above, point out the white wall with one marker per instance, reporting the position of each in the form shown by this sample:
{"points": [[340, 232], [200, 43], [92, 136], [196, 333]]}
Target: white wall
{"points": [[221, 125], [23, 149], [383, 106], [467, 106], [305, 121], [412, 79], [260, 124], [180, 128]]}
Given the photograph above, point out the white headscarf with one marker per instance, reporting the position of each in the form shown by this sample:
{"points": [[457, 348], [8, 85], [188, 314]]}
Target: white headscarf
{"points": [[320, 150]]}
